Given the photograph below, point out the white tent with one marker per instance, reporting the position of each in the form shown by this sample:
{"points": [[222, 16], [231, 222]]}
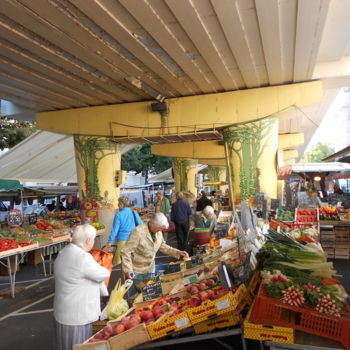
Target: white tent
{"points": [[42, 157]]}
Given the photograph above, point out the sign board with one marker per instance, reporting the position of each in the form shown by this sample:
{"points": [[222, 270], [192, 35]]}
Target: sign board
{"points": [[32, 219], [15, 218], [171, 268], [195, 261], [275, 203], [152, 291], [259, 197]]}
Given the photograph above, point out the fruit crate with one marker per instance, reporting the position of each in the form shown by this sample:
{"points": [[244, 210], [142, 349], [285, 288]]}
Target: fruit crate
{"points": [[212, 308], [128, 339], [226, 320], [306, 319], [166, 325], [267, 332]]}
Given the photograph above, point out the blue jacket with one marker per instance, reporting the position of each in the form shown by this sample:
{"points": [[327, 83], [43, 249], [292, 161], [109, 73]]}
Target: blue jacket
{"points": [[180, 211], [123, 224]]}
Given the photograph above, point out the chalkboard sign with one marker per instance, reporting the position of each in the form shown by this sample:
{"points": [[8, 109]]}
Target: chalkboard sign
{"points": [[259, 197], [15, 218], [195, 261], [275, 203], [32, 219], [152, 291], [171, 268], [201, 249]]}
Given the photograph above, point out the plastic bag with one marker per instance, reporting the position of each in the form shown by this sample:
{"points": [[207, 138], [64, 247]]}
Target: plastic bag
{"points": [[117, 305], [104, 259]]}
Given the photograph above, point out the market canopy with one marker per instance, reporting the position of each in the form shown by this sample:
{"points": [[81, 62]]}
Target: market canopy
{"points": [[10, 185], [43, 157], [314, 168]]}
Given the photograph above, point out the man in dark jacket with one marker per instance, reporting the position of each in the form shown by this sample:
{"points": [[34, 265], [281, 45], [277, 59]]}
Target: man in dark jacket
{"points": [[203, 201], [180, 215]]}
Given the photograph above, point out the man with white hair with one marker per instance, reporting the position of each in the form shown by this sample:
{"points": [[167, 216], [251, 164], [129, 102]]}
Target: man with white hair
{"points": [[139, 252], [78, 278], [205, 219]]}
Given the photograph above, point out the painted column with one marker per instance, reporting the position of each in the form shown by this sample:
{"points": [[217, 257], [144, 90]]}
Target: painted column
{"points": [[216, 174], [97, 160], [185, 171], [251, 149]]}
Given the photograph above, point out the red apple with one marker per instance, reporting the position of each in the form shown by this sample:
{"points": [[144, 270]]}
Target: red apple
{"points": [[194, 290], [210, 282], [132, 323], [107, 331], [120, 328], [146, 315], [202, 286]]}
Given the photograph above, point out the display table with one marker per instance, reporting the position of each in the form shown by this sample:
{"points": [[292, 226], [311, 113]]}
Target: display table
{"points": [[22, 253]]}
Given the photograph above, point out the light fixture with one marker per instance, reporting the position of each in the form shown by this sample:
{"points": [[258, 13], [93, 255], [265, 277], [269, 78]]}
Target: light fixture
{"points": [[317, 178]]}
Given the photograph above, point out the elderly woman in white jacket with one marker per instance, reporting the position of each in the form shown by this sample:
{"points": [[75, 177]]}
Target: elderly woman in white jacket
{"points": [[78, 278]]}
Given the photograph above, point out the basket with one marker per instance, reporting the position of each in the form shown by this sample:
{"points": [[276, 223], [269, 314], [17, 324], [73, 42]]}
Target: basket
{"points": [[306, 319], [266, 332], [166, 325], [226, 320]]}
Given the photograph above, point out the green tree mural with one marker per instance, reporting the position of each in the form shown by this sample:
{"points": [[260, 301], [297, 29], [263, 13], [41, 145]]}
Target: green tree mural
{"points": [[248, 141], [90, 151]]}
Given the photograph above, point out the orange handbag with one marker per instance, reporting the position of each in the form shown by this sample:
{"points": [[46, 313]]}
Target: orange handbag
{"points": [[104, 259]]}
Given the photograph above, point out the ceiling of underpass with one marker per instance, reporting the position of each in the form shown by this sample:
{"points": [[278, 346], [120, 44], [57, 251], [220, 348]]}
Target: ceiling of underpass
{"points": [[63, 54]]}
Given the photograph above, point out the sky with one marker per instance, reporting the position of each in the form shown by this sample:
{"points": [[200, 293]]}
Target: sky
{"points": [[335, 126]]}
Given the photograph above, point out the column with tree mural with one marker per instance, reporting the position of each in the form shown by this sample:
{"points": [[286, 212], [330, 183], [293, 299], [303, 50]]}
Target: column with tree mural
{"points": [[252, 148]]}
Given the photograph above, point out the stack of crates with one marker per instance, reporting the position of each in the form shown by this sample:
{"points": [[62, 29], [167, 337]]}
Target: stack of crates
{"points": [[341, 242], [327, 239]]}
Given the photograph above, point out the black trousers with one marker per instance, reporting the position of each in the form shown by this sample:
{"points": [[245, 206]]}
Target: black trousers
{"points": [[181, 230]]}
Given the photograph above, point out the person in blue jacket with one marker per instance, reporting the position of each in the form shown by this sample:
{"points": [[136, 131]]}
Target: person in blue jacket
{"points": [[124, 222]]}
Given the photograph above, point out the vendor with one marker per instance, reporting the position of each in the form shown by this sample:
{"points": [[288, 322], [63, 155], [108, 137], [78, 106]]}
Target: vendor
{"points": [[124, 222], [206, 218], [139, 252], [78, 287]]}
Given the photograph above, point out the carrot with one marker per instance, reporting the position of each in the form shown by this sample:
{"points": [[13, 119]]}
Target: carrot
{"points": [[329, 281]]}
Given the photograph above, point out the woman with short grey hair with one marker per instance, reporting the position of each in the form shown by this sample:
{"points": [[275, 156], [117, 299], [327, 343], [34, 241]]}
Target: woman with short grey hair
{"points": [[77, 289]]}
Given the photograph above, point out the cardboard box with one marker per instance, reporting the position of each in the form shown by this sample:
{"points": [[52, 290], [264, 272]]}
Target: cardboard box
{"points": [[34, 257], [4, 270]]}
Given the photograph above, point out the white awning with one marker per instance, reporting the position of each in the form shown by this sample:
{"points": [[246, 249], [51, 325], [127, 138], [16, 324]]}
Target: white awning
{"points": [[42, 157], [314, 168]]}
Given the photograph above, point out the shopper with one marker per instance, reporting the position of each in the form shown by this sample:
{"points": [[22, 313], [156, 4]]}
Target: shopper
{"points": [[180, 215], [78, 284], [124, 222], [139, 252], [162, 204], [206, 218], [203, 201]]}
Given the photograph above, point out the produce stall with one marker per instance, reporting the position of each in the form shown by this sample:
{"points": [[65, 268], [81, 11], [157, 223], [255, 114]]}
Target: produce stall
{"points": [[199, 298], [31, 234]]}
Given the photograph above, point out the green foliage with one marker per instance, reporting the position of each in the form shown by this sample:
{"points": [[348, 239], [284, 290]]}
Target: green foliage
{"points": [[142, 161], [14, 131], [317, 152], [276, 289]]}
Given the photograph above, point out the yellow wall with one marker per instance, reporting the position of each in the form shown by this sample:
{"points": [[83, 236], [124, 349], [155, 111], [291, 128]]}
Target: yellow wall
{"points": [[194, 112]]}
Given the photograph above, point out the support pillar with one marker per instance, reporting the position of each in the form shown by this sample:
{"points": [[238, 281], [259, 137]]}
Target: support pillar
{"points": [[97, 160], [216, 174], [251, 149], [185, 171]]}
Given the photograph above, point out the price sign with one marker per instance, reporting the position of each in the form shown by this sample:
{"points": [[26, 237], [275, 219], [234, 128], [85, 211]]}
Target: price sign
{"points": [[259, 197], [32, 219], [201, 249], [15, 218], [195, 261], [152, 291], [275, 203], [171, 268]]}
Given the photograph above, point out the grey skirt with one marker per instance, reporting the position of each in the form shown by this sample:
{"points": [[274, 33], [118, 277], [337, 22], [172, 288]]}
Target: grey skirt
{"points": [[66, 336]]}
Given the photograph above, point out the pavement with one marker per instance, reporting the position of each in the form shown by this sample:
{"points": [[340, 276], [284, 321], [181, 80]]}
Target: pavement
{"points": [[26, 322]]}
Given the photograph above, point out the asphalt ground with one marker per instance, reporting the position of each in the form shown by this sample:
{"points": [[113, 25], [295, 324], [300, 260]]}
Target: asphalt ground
{"points": [[26, 322]]}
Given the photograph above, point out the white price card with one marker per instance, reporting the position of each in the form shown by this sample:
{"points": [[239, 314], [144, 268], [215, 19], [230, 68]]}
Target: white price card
{"points": [[101, 347], [181, 322], [223, 304]]}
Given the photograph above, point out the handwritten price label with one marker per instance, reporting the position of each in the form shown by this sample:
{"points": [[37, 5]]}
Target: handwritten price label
{"points": [[181, 322], [223, 304]]}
